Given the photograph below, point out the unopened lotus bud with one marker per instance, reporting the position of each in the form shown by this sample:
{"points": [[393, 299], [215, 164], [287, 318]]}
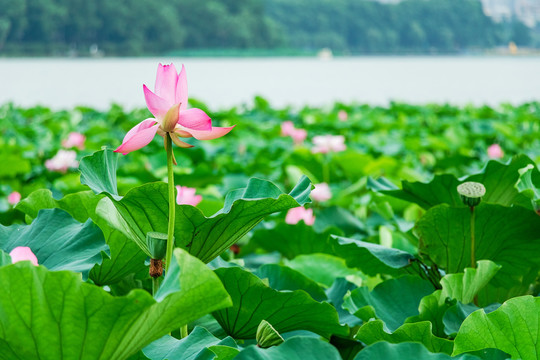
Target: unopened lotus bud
{"points": [[471, 193], [171, 118], [157, 244], [267, 336]]}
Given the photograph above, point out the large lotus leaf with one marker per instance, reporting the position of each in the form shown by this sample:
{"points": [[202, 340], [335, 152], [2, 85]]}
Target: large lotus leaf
{"points": [[5, 259], [253, 302], [336, 293], [373, 331], [392, 301], [405, 351], [324, 268], [465, 286], [371, 258], [513, 328], [125, 256], [456, 289], [219, 352], [58, 241], [432, 308], [294, 240], [284, 278], [527, 184], [499, 180], [456, 314], [295, 348], [300, 239], [189, 348], [53, 315], [441, 190], [335, 216], [505, 235], [145, 208], [81, 205], [98, 171]]}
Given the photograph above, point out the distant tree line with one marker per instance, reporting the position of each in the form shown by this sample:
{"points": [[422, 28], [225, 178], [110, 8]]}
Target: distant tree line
{"points": [[142, 27]]}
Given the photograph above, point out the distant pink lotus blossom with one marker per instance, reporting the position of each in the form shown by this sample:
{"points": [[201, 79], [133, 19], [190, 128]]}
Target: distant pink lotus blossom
{"points": [[22, 253], [14, 198], [342, 115], [495, 151], [287, 128], [296, 214], [62, 161], [298, 136], [321, 192], [186, 196], [168, 104], [74, 140], [328, 143]]}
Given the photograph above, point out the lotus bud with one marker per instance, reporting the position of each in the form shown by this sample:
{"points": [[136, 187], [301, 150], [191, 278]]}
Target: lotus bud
{"points": [[471, 193], [171, 118], [267, 336], [157, 244]]}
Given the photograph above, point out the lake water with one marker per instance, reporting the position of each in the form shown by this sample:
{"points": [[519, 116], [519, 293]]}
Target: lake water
{"points": [[223, 82]]}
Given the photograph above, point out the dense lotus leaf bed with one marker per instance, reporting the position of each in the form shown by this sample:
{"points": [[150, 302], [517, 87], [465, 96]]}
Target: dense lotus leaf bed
{"points": [[362, 251]]}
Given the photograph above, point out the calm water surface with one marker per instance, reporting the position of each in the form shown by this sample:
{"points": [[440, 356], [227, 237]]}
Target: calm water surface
{"points": [[223, 82]]}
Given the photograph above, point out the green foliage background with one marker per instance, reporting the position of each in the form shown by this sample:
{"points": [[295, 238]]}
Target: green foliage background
{"points": [[139, 27]]}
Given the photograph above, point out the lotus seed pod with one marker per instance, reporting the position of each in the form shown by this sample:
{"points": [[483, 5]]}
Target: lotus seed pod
{"points": [[157, 244], [471, 193], [267, 336]]}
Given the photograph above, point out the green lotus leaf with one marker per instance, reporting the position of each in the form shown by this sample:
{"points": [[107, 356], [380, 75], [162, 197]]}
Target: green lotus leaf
{"points": [[98, 172], [253, 302], [189, 348], [505, 235], [512, 328], [53, 315], [295, 348], [405, 351], [324, 268], [457, 289], [301, 239], [421, 332], [5, 259], [125, 256], [145, 209], [392, 301], [284, 278], [499, 180], [58, 241]]}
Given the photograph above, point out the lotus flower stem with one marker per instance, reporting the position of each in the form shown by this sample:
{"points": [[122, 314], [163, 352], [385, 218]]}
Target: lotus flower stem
{"points": [[155, 285], [473, 245], [172, 201]]}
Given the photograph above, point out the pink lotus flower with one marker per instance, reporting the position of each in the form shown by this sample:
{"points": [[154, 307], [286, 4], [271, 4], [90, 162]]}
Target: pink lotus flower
{"points": [[342, 115], [287, 128], [328, 143], [321, 192], [298, 136], [495, 151], [63, 160], [14, 198], [186, 196], [168, 104], [22, 253], [296, 214], [75, 140]]}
